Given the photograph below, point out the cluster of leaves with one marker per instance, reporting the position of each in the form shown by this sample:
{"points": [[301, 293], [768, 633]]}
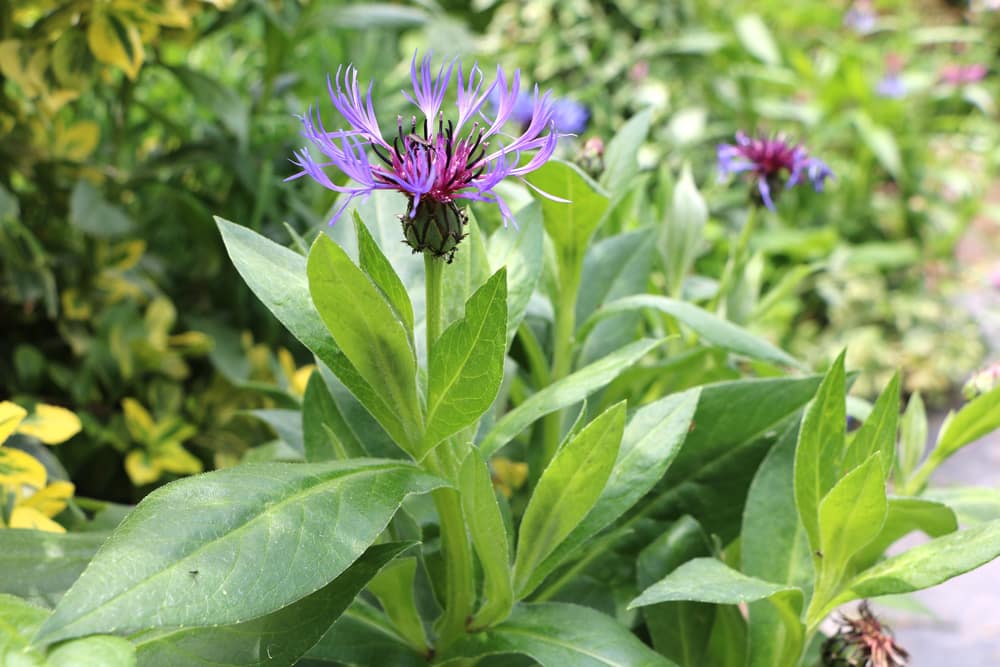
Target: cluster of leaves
{"points": [[674, 490]]}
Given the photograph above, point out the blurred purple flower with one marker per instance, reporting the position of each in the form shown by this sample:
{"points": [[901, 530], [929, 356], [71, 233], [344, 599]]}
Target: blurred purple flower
{"points": [[891, 86], [768, 161], [570, 116], [962, 74], [861, 17], [431, 161]]}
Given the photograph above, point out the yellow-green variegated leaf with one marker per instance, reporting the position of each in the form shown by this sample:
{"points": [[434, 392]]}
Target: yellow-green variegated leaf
{"points": [[115, 40]]}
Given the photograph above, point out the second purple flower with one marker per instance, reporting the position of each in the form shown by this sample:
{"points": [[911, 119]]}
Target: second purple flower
{"points": [[773, 165]]}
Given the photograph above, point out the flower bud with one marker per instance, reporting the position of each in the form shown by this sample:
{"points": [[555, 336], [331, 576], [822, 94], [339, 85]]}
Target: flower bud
{"points": [[982, 381], [436, 227]]}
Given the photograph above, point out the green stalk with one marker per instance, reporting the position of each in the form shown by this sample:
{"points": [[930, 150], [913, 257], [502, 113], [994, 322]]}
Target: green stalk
{"points": [[737, 260], [459, 579], [562, 360]]}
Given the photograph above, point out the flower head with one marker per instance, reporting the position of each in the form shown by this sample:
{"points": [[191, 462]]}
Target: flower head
{"points": [[863, 642], [431, 160], [891, 85], [773, 164]]}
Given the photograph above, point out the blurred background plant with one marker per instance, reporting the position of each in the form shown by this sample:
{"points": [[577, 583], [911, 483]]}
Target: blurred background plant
{"points": [[126, 124]]}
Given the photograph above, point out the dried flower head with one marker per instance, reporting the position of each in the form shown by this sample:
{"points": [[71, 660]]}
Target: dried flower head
{"points": [[431, 160], [773, 164], [863, 642]]}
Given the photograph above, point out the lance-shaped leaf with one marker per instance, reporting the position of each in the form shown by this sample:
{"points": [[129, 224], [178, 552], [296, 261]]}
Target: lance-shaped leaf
{"points": [[559, 635], [276, 639], [378, 268], [924, 566], [979, 417], [878, 433], [709, 327], [621, 164], [850, 516], [325, 433], [366, 330], [711, 580], [467, 363], [906, 515], [489, 537], [38, 564], [568, 489], [234, 544], [277, 276], [820, 451], [569, 224], [571, 389], [774, 547], [651, 439]]}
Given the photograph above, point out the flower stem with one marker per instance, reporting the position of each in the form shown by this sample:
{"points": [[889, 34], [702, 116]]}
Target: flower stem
{"points": [[737, 260], [459, 577], [562, 360]]}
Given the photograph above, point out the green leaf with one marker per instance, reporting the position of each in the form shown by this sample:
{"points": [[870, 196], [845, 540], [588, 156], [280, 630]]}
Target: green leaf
{"points": [[972, 505], [912, 439], [851, 515], [99, 651], [620, 163], [95, 216], [906, 515], [393, 587], [712, 329], [380, 271], [367, 331], [710, 580], [679, 630], [19, 620], [732, 413], [287, 424], [570, 225], [568, 489], [279, 638], [651, 440], [820, 450], [489, 537], [774, 547], [40, 564], [613, 268], [926, 565], [881, 143], [571, 389], [520, 251], [682, 231], [325, 434], [757, 39], [363, 636], [977, 418], [257, 537], [277, 276], [559, 635], [466, 364], [878, 432]]}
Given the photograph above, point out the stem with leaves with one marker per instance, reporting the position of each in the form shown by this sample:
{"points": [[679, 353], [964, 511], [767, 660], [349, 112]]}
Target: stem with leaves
{"points": [[737, 260]]}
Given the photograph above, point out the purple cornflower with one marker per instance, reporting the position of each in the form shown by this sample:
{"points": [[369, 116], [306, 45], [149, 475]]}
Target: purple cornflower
{"points": [[432, 161], [767, 160], [569, 116], [861, 17], [891, 84]]}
